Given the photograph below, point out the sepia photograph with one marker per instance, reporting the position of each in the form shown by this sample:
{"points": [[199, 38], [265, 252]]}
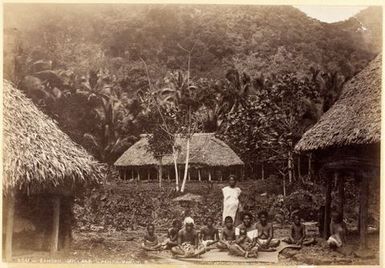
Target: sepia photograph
{"points": [[184, 134]]}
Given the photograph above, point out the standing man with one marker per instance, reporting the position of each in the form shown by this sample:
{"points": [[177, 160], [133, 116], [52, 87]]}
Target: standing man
{"points": [[231, 202]]}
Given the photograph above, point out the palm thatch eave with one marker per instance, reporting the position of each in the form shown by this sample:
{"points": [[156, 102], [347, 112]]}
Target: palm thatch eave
{"points": [[355, 119], [38, 156]]}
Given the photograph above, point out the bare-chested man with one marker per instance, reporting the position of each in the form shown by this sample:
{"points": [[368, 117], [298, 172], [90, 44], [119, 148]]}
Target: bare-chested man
{"points": [[265, 238], [187, 241], [297, 233], [237, 248], [337, 231]]}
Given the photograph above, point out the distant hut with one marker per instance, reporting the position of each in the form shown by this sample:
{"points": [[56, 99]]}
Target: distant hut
{"points": [[346, 140], [42, 169], [210, 159]]}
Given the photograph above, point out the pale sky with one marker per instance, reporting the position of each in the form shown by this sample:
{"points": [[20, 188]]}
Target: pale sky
{"points": [[330, 13]]}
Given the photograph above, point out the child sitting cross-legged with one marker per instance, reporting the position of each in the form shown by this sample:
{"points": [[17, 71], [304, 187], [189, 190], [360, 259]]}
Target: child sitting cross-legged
{"points": [[297, 234], [337, 237], [244, 246], [172, 235], [150, 240], [265, 239], [209, 234], [228, 234]]}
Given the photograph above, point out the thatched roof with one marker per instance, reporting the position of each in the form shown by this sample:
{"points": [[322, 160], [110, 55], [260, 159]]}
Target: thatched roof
{"points": [[38, 156], [355, 118], [205, 150]]}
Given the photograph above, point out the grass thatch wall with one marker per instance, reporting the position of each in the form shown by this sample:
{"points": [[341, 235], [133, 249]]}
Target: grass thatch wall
{"points": [[205, 150], [38, 156], [355, 118]]}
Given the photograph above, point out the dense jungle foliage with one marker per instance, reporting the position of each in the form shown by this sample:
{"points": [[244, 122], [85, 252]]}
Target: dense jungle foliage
{"points": [[261, 75]]}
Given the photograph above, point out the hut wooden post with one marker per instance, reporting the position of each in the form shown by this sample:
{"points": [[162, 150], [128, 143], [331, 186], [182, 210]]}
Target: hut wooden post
{"points": [[168, 175], [199, 175], [309, 167], [221, 175], [326, 231], [160, 171], [364, 192], [188, 174], [148, 175], [66, 211], [9, 227], [209, 174], [55, 224], [263, 171], [341, 192], [299, 166], [132, 174], [138, 178]]}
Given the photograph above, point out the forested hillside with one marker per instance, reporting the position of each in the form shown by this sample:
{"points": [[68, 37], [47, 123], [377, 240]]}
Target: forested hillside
{"points": [[88, 66], [267, 39]]}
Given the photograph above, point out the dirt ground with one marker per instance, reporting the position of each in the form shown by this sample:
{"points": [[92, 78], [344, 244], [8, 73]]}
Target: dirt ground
{"points": [[123, 247]]}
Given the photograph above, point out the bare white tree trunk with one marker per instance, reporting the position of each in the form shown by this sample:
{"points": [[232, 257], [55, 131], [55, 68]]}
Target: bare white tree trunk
{"points": [[186, 165], [175, 155], [290, 166]]}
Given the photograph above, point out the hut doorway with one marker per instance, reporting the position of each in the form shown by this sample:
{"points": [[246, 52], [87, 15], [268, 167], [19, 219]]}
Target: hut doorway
{"points": [[365, 175], [36, 223]]}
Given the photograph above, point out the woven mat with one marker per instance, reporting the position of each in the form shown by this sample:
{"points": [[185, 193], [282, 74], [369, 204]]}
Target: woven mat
{"points": [[217, 256]]}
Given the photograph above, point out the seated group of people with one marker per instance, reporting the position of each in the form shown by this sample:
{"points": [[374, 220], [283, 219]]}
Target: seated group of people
{"points": [[246, 239]]}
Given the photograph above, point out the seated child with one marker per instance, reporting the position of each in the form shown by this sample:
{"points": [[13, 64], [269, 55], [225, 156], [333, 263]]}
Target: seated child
{"points": [[297, 235], [150, 240], [227, 235], [265, 238], [172, 235], [209, 234], [187, 241], [244, 246], [337, 231]]}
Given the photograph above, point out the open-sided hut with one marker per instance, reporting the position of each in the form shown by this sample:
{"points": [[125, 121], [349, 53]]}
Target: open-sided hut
{"points": [[42, 169], [210, 158], [346, 140]]}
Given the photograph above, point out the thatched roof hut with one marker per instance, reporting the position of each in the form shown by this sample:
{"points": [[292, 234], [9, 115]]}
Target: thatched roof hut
{"points": [[40, 163], [205, 150], [346, 142], [38, 156], [207, 154], [354, 119]]}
